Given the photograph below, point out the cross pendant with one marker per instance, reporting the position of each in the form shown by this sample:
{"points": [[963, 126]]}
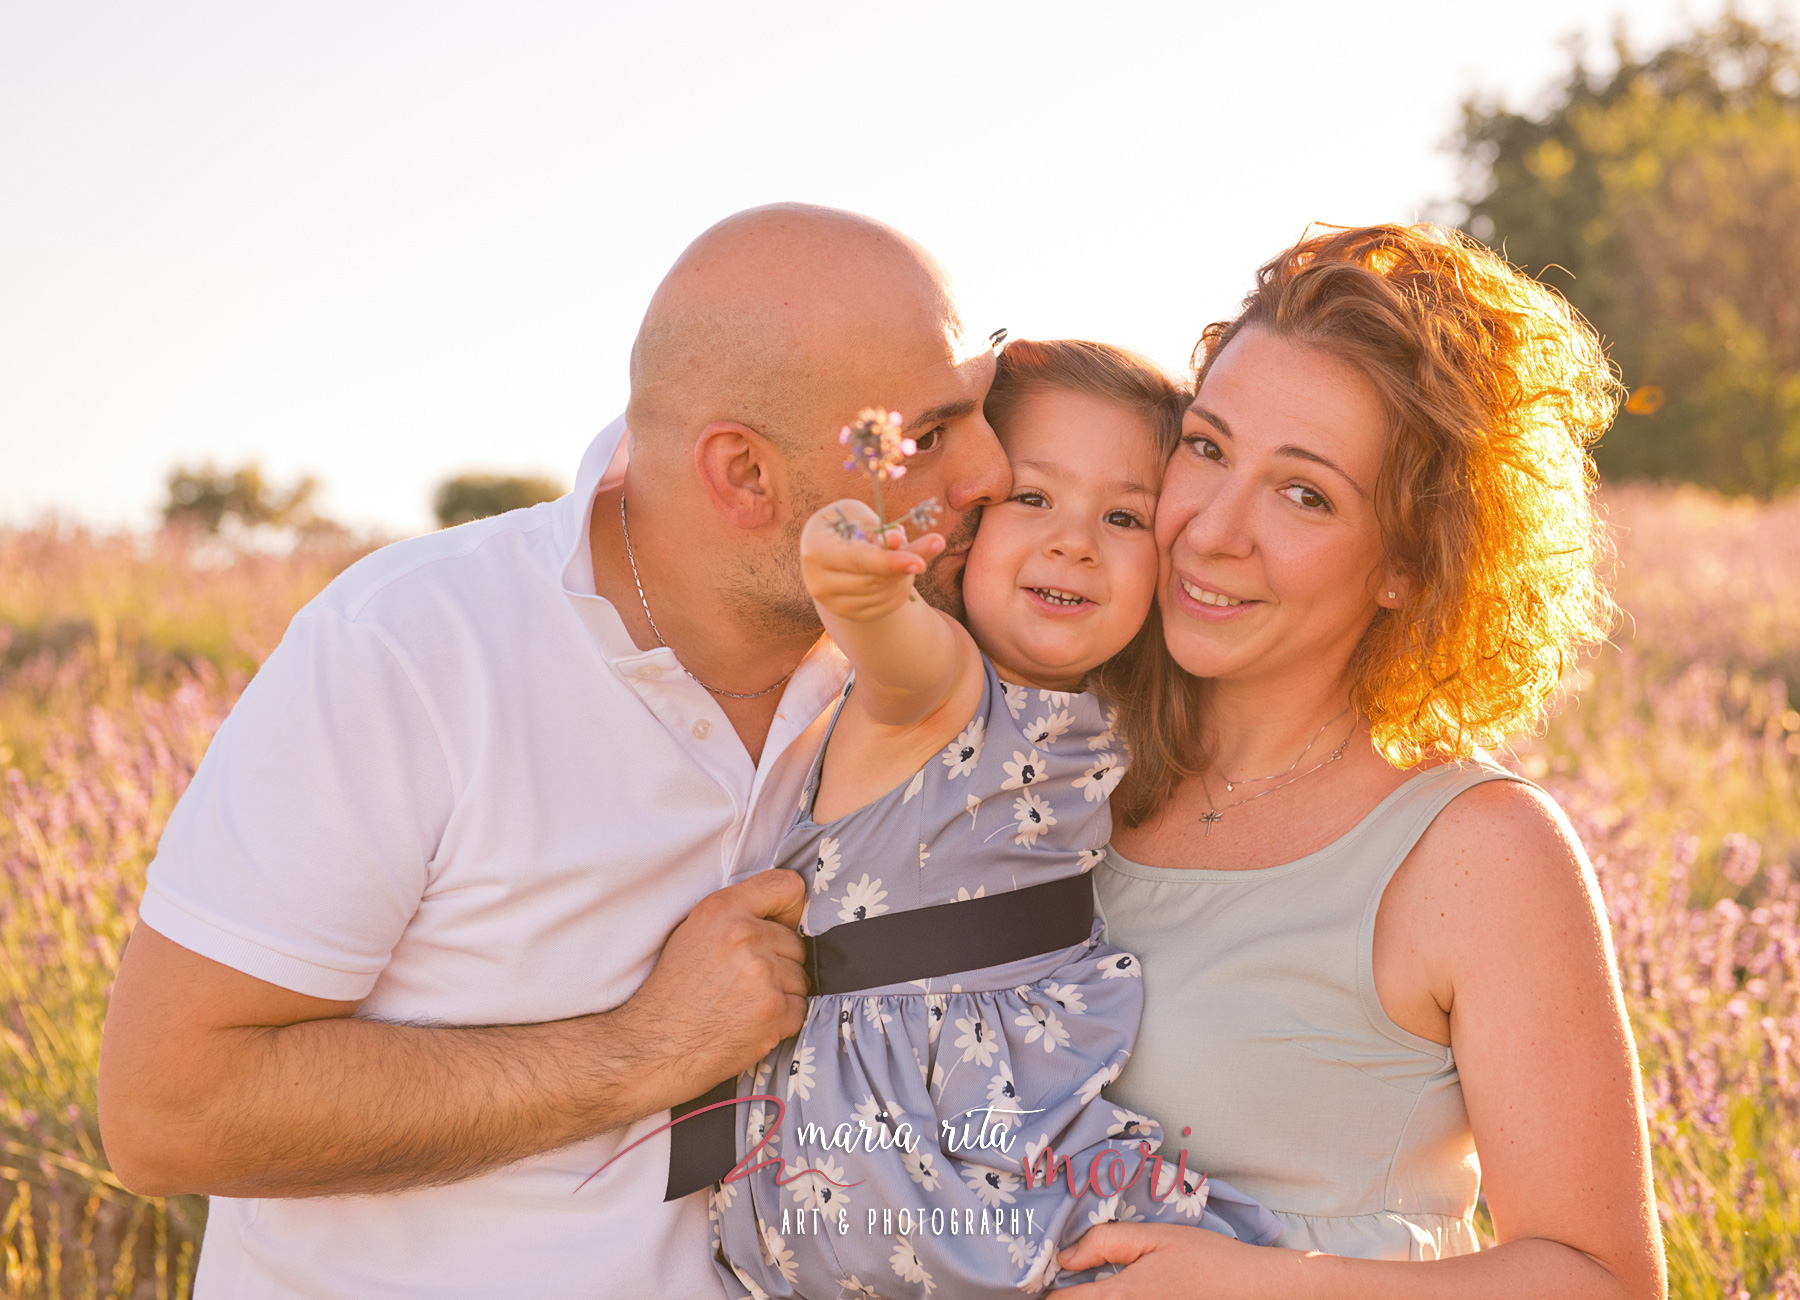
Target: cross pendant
{"points": [[1210, 816]]}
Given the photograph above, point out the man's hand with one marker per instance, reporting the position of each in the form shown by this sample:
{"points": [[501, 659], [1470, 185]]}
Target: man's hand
{"points": [[214, 1081], [730, 985], [855, 580]]}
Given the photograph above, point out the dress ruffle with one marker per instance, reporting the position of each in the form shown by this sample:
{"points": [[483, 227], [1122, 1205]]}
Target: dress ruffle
{"points": [[1415, 1235]]}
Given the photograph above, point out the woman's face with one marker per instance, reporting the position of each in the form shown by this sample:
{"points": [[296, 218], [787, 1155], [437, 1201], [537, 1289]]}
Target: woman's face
{"points": [[1274, 558]]}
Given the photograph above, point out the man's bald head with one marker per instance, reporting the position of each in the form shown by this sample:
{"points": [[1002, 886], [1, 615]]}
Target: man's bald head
{"points": [[769, 333], [787, 319]]}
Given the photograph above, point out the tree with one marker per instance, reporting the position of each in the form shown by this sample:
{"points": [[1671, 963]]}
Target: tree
{"points": [[207, 498], [477, 496], [1664, 201]]}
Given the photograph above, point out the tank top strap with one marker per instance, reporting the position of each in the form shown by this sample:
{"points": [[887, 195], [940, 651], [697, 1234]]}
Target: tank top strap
{"points": [[1385, 845]]}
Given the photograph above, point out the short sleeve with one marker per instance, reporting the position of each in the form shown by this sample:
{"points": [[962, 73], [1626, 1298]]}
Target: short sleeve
{"points": [[304, 843]]}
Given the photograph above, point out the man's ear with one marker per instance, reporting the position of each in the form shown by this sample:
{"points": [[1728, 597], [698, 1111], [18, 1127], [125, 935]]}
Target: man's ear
{"points": [[737, 469]]}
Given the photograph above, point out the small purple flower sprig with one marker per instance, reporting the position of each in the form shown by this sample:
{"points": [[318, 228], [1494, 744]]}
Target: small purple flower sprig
{"points": [[878, 448]]}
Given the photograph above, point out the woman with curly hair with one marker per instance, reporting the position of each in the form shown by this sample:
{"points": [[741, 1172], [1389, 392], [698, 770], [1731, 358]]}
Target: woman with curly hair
{"points": [[1378, 972]]}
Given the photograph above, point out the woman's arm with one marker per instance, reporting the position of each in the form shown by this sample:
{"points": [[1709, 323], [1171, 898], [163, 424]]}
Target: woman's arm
{"points": [[1499, 918], [1165, 1262]]}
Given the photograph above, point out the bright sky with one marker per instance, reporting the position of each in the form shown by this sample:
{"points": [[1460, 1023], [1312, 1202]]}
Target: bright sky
{"points": [[381, 242]]}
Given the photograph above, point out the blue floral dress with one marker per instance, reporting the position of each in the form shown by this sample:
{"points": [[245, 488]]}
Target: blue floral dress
{"points": [[910, 1109]]}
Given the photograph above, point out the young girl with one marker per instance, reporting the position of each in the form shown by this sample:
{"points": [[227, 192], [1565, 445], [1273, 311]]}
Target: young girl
{"points": [[968, 1015]]}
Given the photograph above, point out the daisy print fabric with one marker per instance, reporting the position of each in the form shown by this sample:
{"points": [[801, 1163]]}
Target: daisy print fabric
{"points": [[928, 1096], [1016, 798]]}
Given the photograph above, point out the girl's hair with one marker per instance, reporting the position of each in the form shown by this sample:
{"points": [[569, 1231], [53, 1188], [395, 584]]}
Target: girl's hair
{"points": [[1029, 366], [1495, 389]]}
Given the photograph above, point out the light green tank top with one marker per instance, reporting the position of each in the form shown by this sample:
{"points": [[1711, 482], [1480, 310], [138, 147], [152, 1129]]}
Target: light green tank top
{"points": [[1262, 1033]]}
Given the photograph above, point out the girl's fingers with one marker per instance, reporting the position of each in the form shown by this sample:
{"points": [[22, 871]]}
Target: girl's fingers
{"points": [[876, 563], [857, 512], [926, 545]]}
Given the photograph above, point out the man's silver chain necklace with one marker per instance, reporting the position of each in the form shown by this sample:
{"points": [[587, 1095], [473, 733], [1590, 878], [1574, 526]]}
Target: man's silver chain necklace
{"points": [[663, 640], [1215, 814]]}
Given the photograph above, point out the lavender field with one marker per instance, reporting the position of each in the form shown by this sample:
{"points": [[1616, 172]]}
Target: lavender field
{"points": [[1677, 755]]}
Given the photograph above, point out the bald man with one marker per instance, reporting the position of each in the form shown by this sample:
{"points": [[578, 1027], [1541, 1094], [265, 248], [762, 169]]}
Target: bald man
{"points": [[471, 886]]}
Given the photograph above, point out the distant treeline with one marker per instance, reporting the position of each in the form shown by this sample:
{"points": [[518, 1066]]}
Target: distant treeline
{"points": [[213, 501], [1664, 201]]}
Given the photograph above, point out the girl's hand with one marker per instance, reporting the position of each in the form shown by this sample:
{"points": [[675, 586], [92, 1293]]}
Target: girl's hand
{"points": [[856, 580], [1164, 1261]]}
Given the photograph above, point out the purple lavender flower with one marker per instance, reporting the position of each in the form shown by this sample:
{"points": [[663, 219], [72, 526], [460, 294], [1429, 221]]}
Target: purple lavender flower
{"points": [[876, 444], [879, 449]]}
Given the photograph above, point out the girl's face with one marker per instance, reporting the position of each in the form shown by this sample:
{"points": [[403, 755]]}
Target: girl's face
{"points": [[1274, 552], [1063, 572]]}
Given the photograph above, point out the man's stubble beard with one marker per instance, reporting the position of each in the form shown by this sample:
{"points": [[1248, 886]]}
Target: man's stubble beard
{"points": [[768, 594], [941, 585], [771, 597]]}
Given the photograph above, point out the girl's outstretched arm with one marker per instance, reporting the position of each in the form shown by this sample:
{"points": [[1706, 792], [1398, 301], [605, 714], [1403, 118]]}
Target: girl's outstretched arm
{"points": [[918, 672], [908, 656]]}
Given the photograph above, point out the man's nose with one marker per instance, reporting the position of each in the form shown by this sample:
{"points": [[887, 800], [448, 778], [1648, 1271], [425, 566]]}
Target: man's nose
{"points": [[978, 474]]}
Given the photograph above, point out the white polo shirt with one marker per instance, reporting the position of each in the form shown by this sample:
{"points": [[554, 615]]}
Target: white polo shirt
{"points": [[459, 793]]}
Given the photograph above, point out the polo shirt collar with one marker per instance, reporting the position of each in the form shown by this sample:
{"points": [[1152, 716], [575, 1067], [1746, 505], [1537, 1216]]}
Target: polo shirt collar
{"points": [[602, 464], [816, 681]]}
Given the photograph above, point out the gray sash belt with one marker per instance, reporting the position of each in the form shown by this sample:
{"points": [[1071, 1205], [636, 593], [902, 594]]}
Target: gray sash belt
{"points": [[894, 948]]}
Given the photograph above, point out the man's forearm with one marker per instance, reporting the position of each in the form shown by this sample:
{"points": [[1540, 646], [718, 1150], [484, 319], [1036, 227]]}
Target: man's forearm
{"points": [[361, 1106], [214, 1081], [344, 1105]]}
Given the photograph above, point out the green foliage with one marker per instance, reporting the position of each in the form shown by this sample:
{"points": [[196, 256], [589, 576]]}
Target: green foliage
{"points": [[1664, 200], [207, 498], [477, 496]]}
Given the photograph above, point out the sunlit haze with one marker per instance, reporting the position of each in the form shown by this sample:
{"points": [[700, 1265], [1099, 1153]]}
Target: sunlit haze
{"points": [[383, 242]]}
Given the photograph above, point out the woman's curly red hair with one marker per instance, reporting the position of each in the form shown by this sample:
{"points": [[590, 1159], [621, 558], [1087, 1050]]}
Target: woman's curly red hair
{"points": [[1496, 388]]}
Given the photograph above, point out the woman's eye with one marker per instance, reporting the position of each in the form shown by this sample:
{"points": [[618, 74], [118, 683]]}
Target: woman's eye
{"points": [[929, 439], [1123, 519], [1205, 446], [1305, 497]]}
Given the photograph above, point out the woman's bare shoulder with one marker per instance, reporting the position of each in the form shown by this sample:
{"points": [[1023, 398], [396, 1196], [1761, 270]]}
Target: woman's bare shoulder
{"points": [[1511, 818], [1499, 865], [1497, 893]]}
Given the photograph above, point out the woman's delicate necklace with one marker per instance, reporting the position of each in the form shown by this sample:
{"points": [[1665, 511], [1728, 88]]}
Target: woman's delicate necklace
{"points": [[663, 640], [1231, 784], [1215, 814]]}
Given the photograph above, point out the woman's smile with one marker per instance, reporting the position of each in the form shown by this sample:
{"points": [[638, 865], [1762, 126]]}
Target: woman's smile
{"points": [[1211, 602]]}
